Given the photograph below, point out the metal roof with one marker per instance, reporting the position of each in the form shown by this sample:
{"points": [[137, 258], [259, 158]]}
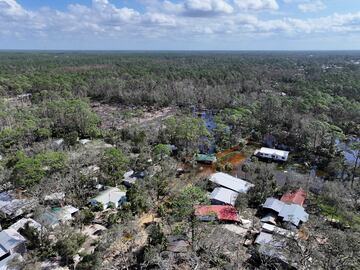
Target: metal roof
{"points": [[57, 215], [15, 207], [205, 158], [264, 238], [268, 228], [293, 213], [10, 239], [271, 151], [297, 197], [113, 195], [273, 204], [55, 196], [224, 195], [222, 212], [4, 262], [230, 182], [20, 224]]}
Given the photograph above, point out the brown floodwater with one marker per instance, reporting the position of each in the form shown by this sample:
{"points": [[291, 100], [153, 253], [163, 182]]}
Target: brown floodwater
{"points": [[232, 155]]}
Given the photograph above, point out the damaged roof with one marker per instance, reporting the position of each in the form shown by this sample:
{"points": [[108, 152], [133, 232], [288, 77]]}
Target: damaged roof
{"points": [[293, 213], [9, 239], [222, 212], [297, 197], [11, 206]]}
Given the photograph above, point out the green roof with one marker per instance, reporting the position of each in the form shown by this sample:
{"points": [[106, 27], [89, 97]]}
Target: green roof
{"points": [[205, 158]]}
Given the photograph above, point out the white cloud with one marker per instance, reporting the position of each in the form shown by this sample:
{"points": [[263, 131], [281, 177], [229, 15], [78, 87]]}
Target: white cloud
{"points": [[12, 9], [174, 20], [257, 4], [312, 6], [200, 8]]}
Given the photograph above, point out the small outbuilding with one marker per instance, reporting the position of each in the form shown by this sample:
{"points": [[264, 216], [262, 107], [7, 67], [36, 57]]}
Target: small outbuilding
{"points": [[206, 159]]}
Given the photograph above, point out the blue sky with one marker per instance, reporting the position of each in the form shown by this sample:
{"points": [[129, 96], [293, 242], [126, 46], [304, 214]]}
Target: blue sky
{"points": [[180, 24]]}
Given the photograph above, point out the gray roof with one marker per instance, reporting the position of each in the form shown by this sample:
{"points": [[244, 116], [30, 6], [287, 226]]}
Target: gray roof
{"points": [[110, 195], [230, 182], [294, 213], [264, 238], [11, 206], [9, 239], [224, 195], [4, 262], [269, 246], [20, 224], [273, 204]]}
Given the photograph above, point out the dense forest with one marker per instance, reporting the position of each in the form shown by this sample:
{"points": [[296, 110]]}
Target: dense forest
{"points": [[70, 121]]}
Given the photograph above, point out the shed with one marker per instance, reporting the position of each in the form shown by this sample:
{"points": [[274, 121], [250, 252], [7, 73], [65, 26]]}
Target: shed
{"points": [[219, 212], [223, 196], [230, 182], [207, 159], [109, 196], [55, 197], [297, 197]]}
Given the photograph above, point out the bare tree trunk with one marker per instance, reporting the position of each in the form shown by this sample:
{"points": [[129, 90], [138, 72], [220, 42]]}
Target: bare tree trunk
{"points": [[354, 170]]}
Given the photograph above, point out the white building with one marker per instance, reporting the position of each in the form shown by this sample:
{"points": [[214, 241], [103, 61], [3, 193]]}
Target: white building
{"points": [[230, 182], [223, 196], [274, 154], [109, 196]]}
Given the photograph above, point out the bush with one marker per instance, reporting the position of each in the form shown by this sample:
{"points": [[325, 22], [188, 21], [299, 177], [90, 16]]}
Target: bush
{"points": [[27, 171], [43, 133]]}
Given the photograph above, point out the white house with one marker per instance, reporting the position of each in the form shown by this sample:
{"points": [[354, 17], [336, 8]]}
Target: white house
{"points": [[274, 154], [109, 196]]}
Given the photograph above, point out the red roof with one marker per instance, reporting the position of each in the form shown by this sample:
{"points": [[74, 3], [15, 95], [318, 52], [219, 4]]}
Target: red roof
{"points": [[222, 212], [297, 197]]}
